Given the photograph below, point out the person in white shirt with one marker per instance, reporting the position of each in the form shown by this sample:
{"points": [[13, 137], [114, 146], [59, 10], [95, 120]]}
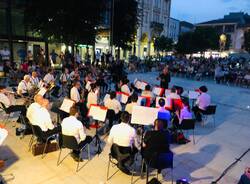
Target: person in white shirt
{"points": [[24, 86], [114, 108], [173, 94], [49, 77], [124, 137], [34, 80], [129, 106], [202, 102], [7, 102], [71, 126], [38, 115], [125, 87], [75, 95], [92, 96]]}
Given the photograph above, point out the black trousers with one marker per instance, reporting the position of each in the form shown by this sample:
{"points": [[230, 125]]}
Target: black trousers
{"points": [[130, 159], [17, 108], [198, 112], [88, 140], [49, 133]]}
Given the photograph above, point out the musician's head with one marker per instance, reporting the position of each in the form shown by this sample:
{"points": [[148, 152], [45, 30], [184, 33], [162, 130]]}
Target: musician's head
{"points": [[165, 70], [34, 74], [112, 95], [159, 125], [134, 97], [125, 81], [203, 89], [147, 87], [2, 88], [161, 102], [26, 78], [38, 99], [74, 111], [173, 90], [77, 84], [125, 117], [93, 87], [50, 70]]}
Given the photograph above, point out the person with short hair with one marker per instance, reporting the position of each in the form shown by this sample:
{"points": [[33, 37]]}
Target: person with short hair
{"points": [[24, 86], [163, 114], [124, 136], [49, 77], [129, 106], [71, 126], [165, 78], [34, 80], [125, 87], [202, 102]]}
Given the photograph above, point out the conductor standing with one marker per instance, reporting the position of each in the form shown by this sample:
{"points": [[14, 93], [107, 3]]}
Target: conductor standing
{"points": [[165, 78]]}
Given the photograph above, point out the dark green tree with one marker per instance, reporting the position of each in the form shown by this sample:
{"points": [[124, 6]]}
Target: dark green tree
{"points": [[69, 22], [185, 44], [163, 44], [247, 41], [125, 22]]}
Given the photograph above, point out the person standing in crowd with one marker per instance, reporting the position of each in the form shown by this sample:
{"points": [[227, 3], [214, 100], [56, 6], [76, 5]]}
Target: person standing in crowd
{"points": [[5, 54], [203, 101], [71, 126], [53, 56], [164, 78], [125, 138], [78, 58], [29, 57]]}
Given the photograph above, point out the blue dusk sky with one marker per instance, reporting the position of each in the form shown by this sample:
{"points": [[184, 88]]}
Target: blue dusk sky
{"points": [[196, 11]]}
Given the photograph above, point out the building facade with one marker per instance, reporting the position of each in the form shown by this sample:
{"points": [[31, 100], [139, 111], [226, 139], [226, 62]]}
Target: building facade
{"points": [[174, 29], [233, 26], [154, 21], [186, 27]]}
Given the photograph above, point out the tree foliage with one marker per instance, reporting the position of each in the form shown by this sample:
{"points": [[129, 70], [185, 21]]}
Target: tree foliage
{"points": [[247, 41], [163, 44], [70, 22], [202, 39], [125, 22]]}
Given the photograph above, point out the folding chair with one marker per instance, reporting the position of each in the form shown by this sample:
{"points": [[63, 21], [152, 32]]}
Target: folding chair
{"points": [[187, 124], [70, 142], [158, 161], [3, 107], [210, 111]]}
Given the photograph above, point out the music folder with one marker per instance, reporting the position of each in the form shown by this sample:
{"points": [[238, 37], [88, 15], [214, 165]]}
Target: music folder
{"points": [[97, 112], [66, 105]]}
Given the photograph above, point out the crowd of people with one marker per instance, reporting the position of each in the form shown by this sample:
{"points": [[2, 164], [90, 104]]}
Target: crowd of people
{"points": [[97, 84]]}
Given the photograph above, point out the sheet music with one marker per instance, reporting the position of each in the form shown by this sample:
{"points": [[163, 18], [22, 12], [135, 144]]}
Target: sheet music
{"points": [[144, 115], [42, 91], [98, 113], [158, 91], [66, 105], [193, 95], [168, 103]]}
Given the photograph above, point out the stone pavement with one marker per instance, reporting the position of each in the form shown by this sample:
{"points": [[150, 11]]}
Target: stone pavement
{"points": [[201, 163]]}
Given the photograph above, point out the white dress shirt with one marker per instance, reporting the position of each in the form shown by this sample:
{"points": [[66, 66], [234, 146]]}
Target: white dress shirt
{"points": [[48, 78], [125, 89], [129, 107], [73, 127], [34, 81], [92, 99], [74, 94], [24, 87], [123, 135], [64, 77], [203, 101], [39, 116], [113, 105], [5, 100]]}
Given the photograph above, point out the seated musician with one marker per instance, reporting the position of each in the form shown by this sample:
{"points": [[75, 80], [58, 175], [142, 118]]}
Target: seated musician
{"points": [[202, 102], [49, 77], [24, 86], [184, 113], [34, 80], [173, 94], [163, 114], [124, 87], [113, 104], [129, 106], [148, 93], [75, 96], [124, 136], [71, 126], [156, 141], [7, 101], [92, 96], [38, 115]]}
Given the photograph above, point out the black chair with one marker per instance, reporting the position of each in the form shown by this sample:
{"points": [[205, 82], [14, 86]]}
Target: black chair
{"points": [[187, 124], [210, 111], [8, 113], [111, 117], [38, 133], [159, 161], [115, 156], [71, 143]]}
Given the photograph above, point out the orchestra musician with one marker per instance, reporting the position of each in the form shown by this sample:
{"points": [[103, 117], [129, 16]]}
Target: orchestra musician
{"points": [[24, 86], [34, 80]]}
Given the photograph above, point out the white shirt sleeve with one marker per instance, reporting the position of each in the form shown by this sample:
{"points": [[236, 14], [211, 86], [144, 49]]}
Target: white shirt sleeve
{"points": [[82, 133]]}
